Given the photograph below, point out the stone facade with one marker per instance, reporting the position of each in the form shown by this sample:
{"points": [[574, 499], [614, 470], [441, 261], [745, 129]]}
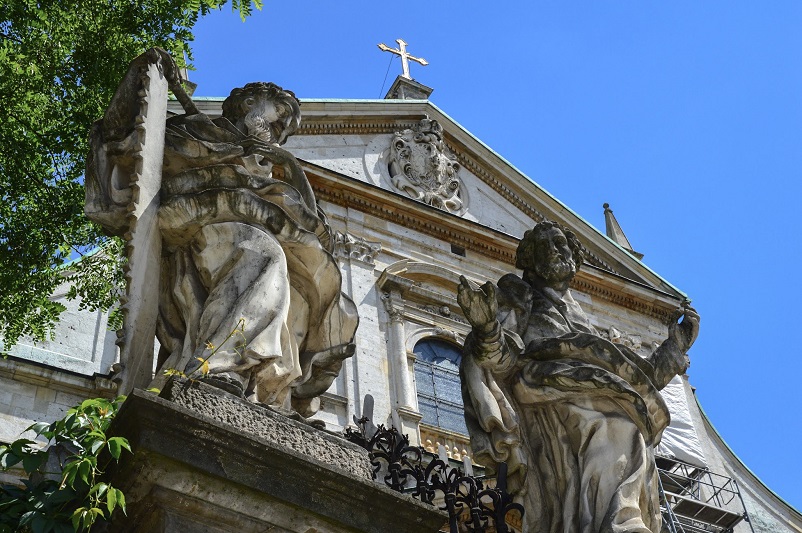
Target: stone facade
{"points": [[400, 261]]}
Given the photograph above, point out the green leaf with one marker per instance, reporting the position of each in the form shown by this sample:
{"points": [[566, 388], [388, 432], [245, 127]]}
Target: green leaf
{"points": [[96, 435], [27, 518], [32, 462], [39, 427], [69, 473], [84, 470], [111, 500], [77, 518], [121, 500], [115, 447], [20, 446], [95, 446], [9, 459], [100, 489], [39, 524]]}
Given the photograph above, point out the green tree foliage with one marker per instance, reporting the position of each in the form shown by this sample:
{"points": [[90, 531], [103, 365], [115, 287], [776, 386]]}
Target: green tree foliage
{"points": [[72, 497], [60, 63]]}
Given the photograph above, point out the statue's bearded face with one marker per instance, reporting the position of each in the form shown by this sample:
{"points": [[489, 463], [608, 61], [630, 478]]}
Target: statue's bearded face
{"points": [[265, 118], [553, 258]]}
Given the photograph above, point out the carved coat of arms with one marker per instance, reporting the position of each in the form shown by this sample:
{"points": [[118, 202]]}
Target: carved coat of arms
{"points": [[421, 167]]}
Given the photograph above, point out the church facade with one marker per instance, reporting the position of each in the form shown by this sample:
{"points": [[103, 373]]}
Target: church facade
{"points": [[415, 201]]}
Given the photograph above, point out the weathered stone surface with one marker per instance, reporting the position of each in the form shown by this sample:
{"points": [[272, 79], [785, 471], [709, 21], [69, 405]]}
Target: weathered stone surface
{"points": [[421, 167], [263, 423], [230, 259], [201, 469], [353, 247], [575, 416]]}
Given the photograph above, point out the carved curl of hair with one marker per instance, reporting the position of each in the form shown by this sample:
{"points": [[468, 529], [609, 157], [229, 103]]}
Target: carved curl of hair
{"points": [[234, 107], [525, 254]]}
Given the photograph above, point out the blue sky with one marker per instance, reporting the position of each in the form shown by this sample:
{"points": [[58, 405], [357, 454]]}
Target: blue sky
{"points": [[685, 116]]}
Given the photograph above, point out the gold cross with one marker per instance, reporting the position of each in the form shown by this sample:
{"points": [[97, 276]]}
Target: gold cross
{"points": [[405, 57]]}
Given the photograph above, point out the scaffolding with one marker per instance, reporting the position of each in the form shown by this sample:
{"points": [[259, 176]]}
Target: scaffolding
{"points": [[695, 500]]}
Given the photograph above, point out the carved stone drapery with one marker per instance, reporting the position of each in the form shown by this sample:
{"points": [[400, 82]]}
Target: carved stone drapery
{"points": [[352, 247], [574, 415], [422, 167], [242, 254]]}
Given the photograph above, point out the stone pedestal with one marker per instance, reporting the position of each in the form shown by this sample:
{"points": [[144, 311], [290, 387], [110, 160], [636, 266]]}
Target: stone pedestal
{"points": [[206, 461]]}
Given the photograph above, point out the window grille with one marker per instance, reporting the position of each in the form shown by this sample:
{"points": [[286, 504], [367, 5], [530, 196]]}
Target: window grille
{"points": [[438, 383]]}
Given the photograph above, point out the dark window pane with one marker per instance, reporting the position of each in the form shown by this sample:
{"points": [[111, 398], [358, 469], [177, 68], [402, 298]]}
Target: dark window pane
{"points": [[438, 383], [437, 351], [423, 379], [447, 387], [428, 410], [452, 418]]}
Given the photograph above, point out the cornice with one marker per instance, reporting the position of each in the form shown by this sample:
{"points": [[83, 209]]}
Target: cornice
{"points": [[663, 312], [19, 369], [379, 125], [410, 216], [361, 126], [490, 179], [596, 282]]}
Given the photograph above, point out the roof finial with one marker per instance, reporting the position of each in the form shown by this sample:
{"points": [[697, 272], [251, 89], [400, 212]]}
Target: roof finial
{"points": [[405, 56], [616, 234]]}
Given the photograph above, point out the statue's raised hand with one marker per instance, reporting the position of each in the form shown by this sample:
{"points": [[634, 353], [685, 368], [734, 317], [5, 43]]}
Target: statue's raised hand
{"points": [[478, 304], [685, 332], [271, 152]]}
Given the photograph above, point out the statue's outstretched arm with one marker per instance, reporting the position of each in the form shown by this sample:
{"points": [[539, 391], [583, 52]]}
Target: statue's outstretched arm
{"points": [[487, 340], [670, 358]]}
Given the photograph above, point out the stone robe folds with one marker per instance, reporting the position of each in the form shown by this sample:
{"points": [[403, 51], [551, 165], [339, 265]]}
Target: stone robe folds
{"points": [[244, 244], [575, 416]]}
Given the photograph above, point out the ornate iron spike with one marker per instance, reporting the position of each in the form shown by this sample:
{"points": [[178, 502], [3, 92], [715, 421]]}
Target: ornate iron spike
{"points": [[405, 472]]}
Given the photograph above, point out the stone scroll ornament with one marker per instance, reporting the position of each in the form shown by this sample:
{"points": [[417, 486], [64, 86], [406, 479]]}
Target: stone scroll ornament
{"points": [[575, 416], [229, 257], [421, 167]]}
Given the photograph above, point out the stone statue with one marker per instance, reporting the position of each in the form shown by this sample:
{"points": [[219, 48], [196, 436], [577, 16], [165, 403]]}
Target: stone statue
{"points": [[575, 416], [244, 247]]}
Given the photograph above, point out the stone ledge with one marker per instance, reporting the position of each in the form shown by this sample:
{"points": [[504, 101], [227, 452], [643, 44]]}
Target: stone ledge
{"points": [[39, 374], [221, 476], [257, 421]]}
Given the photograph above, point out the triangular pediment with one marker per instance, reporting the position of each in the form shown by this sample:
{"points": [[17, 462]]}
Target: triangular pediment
{"points": [[355, 139]]}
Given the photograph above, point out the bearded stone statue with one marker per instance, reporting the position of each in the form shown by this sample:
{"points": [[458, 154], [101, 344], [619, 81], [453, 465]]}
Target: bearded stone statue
{"points": [[575, 416]]}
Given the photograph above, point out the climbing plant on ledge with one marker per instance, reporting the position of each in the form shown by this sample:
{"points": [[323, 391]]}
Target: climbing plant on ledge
{"points": [[63, 491]]}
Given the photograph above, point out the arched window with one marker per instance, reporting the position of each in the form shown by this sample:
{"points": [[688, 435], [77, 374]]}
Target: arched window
{"points": [[437, 379]]}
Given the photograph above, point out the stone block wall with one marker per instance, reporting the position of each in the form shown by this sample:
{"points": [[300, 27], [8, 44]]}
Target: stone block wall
{"points": [[33, 393]]}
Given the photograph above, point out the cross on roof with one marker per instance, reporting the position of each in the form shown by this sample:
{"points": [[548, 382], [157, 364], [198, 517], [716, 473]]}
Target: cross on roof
{"points": [[405, 57]]}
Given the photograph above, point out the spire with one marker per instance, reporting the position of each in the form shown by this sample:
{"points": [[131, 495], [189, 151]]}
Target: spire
{"points": [[614, 231]]}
